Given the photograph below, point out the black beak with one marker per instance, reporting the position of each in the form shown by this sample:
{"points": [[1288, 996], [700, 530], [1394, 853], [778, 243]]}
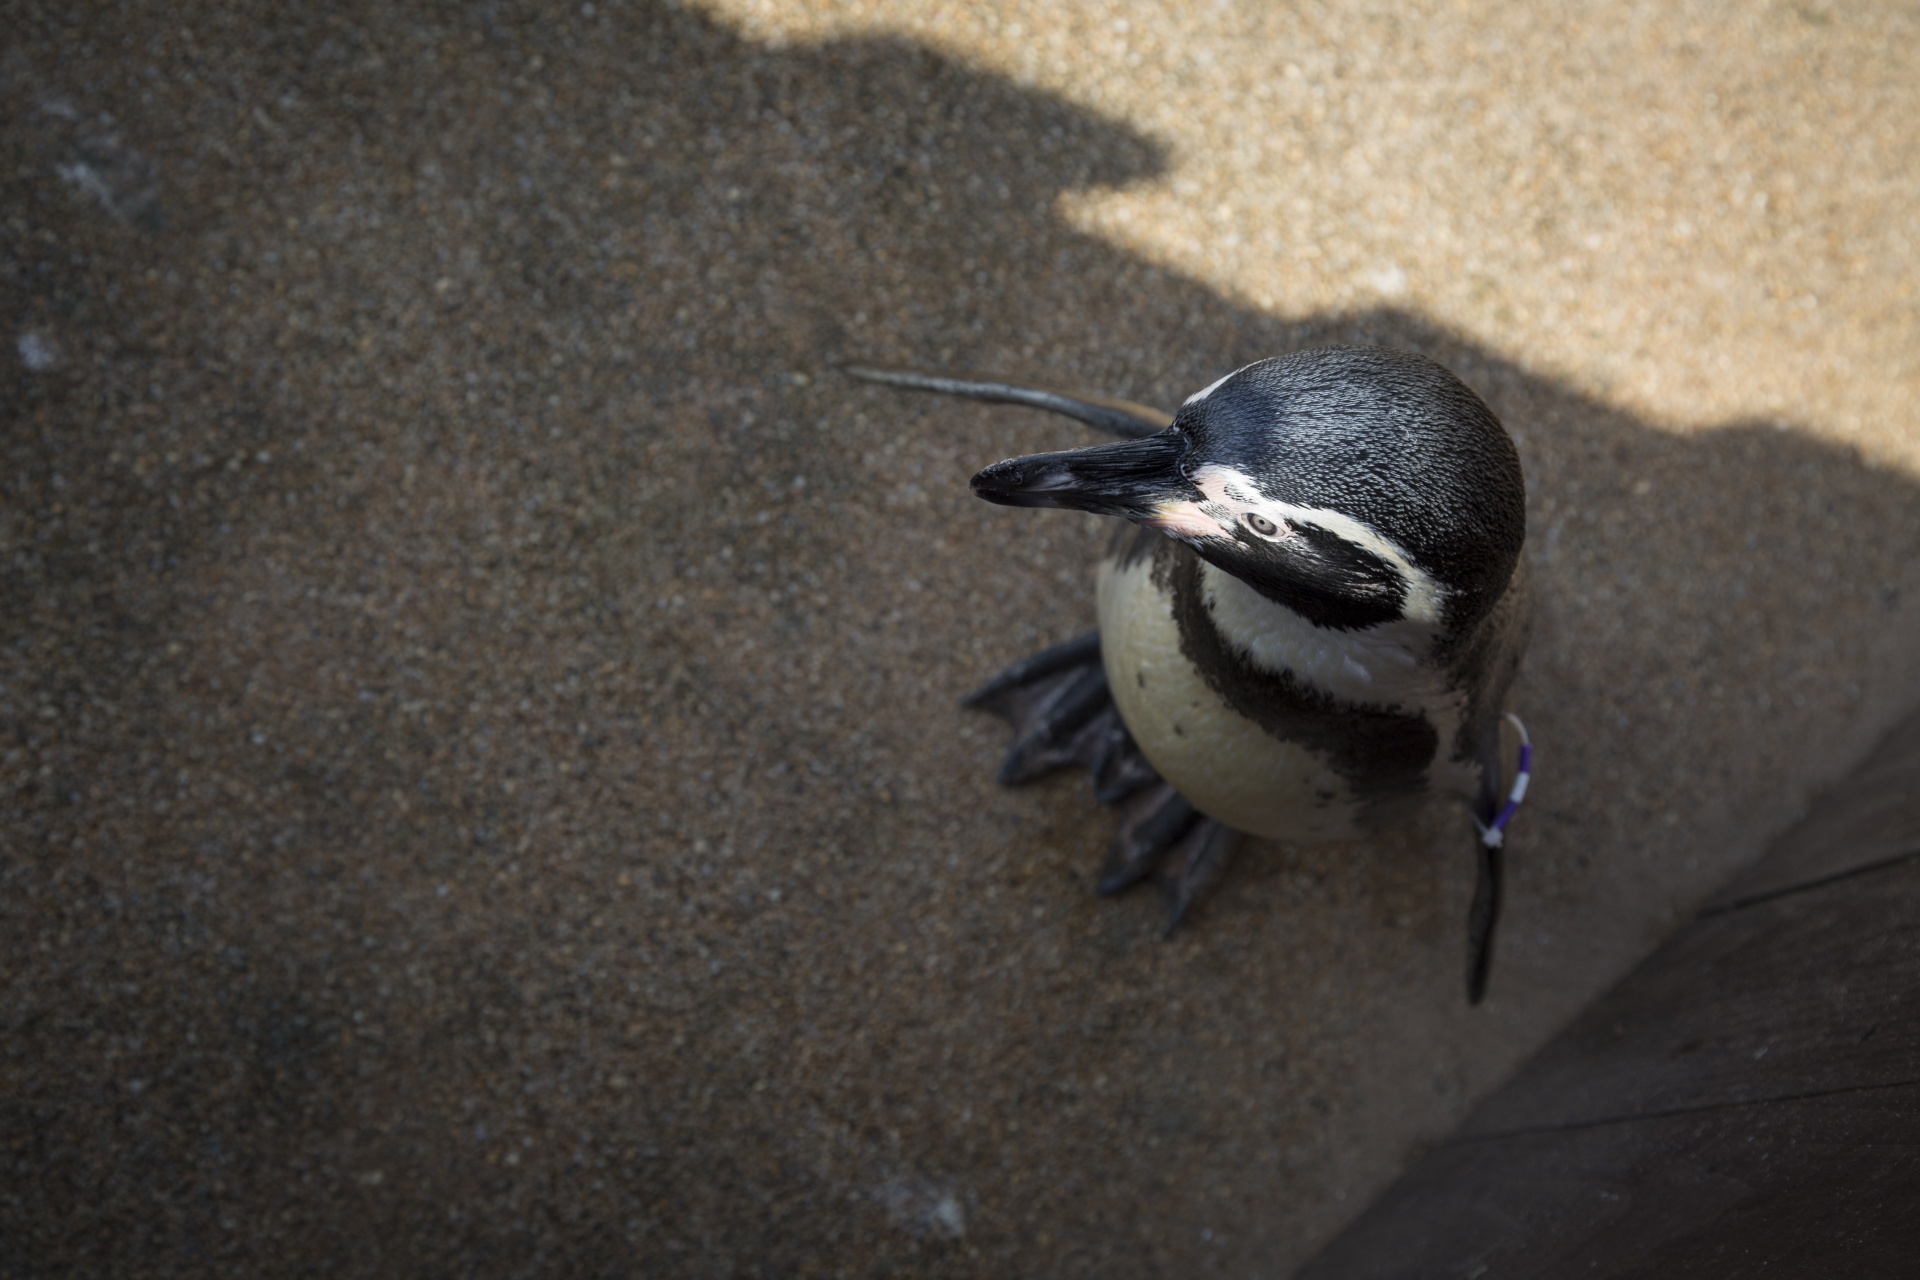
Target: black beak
{"points": [[1128, 478]]}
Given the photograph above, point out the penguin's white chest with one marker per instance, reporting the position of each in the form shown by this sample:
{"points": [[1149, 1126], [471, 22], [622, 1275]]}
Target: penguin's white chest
{"points": [[1228, 766]]}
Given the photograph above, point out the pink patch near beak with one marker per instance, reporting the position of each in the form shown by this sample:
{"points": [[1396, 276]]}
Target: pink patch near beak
{"points": [[1185, 520]]}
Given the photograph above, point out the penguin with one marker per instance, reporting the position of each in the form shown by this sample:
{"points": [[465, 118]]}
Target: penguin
{"points": [[1310, 613]]}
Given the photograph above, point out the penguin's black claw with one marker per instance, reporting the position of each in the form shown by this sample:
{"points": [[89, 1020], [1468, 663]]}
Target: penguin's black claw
{"points": [[1078, 652], [1120, 770], [1194, 865], [1062, 713], [1481, 918], [1065, 728], [1153, 822], [1058, 705]]}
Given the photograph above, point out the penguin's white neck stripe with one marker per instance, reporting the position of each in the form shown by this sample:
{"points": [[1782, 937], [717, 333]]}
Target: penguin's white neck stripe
{"points": [[1382, 665], [1235, 493]]}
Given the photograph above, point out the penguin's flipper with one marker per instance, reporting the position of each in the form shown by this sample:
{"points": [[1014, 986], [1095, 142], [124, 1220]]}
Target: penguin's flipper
{"points": [[1482, 916], [1103, 413], [1492, 813]]}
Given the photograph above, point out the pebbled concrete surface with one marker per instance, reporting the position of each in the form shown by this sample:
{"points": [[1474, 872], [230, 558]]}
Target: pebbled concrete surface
{"points": [[485, 792]]}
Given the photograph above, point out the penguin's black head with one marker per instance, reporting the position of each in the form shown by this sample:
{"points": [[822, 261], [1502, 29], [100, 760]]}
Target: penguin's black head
{"points": [[1354, 485]]}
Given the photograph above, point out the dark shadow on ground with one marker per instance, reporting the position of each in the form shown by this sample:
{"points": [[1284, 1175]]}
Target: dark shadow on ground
{"points": [[486, 795]]}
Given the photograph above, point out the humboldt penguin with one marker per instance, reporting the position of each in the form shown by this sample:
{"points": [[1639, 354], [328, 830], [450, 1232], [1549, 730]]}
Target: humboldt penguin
{"points": [[1308, 623]]}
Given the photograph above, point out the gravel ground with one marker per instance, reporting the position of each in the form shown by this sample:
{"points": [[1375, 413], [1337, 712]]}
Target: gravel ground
{"points": [[478, 695]]}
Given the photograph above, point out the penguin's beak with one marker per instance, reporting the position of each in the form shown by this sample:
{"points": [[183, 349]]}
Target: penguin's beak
{"points": [[1134, 479], [1139, 480]]}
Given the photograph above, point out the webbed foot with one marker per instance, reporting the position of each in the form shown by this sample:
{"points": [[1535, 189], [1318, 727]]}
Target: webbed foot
{"points": [[1063, 714]]}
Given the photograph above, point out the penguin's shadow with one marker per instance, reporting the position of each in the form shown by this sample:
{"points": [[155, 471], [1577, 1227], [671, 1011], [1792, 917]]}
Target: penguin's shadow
{"points": [[648, 240]]}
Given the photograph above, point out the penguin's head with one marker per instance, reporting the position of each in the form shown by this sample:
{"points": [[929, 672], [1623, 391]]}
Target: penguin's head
{"points": [[1353, 485]]}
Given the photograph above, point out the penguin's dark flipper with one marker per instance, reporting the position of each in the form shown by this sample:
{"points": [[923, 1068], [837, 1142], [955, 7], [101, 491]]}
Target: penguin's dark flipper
{"points": [[1481, 919], [1493, 812], [1103, 413]]}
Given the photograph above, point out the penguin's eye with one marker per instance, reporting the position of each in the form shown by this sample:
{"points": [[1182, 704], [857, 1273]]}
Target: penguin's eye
{"points": [[1261, 525]]}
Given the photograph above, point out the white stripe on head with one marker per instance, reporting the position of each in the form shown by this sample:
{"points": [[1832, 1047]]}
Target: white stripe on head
{"points": [[1211, 387], [1233, 494]]}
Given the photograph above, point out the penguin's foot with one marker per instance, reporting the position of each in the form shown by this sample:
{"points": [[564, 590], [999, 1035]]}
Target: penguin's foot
{"points": [[1058, 705], [1154, 822], [1163, 836], [1062, 714], [1194, 866]]}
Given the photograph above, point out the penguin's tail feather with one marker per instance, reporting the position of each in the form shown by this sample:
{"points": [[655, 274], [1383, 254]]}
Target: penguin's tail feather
{"points": [[1063, 715]]}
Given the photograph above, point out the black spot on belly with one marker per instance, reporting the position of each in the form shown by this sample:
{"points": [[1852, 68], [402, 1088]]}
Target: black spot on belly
{"points": [[1379, 752]]}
